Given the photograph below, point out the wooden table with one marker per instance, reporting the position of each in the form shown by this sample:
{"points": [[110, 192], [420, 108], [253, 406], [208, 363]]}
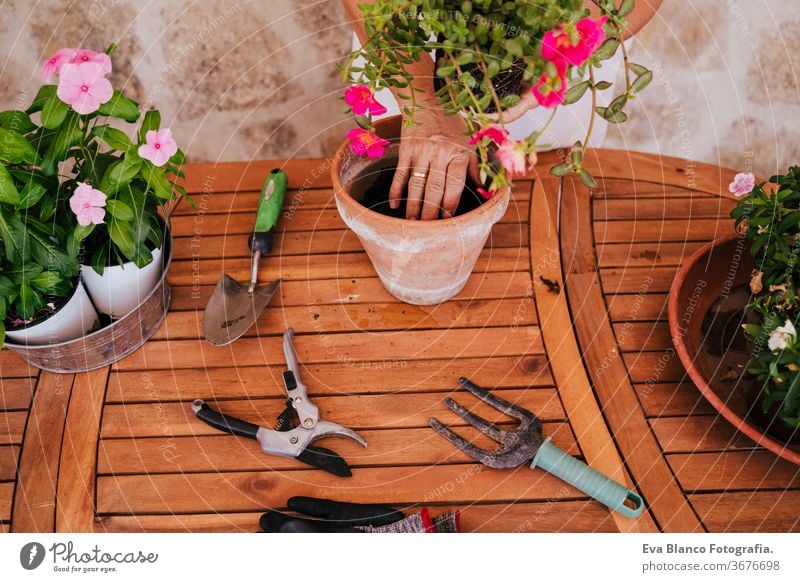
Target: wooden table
{"points": [[565, 314]]}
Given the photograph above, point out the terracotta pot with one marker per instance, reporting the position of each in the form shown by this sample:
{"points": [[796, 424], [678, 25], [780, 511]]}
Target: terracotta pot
{"points": [[718, 270], [419, 262]]}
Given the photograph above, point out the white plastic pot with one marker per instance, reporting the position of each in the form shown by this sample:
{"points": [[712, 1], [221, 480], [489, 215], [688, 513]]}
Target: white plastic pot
{"points": [[72, 320], [122, 288]]}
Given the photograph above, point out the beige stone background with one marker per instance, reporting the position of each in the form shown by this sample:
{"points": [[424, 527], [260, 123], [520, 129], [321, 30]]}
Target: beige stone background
{"points": [[247, 79]]}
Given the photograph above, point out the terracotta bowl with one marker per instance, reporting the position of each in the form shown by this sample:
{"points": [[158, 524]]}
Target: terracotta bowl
{"points": [[704, 318]]}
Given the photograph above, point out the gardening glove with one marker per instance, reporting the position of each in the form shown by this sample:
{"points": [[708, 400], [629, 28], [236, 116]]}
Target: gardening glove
{"points": [[328, 516]]}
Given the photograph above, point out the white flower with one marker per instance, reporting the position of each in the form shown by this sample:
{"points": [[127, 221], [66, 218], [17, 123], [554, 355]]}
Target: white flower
{"points": [[780, 337]]}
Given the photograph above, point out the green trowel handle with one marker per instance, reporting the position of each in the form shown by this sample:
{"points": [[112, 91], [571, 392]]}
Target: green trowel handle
{"points": [[269, 209], [581, 476]]}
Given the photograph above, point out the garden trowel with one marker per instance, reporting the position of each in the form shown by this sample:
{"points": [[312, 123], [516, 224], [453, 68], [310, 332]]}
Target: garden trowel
{"points": [[234, 306]]}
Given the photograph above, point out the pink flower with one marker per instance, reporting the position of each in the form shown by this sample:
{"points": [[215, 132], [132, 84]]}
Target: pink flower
{"points": [[84, 86], [512, 157], [159, 147], [89, 56], [498, 135], [742, 184], [360, 99], [364, 142], [486, 194], [549, 91], [52, 66], [574, 46], [87, 204]]}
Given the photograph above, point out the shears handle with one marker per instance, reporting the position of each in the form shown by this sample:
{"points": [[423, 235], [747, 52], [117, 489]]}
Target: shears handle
{"points": [[224, 422]]}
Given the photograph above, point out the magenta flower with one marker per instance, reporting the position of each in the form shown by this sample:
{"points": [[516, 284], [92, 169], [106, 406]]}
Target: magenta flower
{"points": [[87, 204], [364, 142], [742, 184], [498, 135], [52, 66], [512, 157], [549, 91], [486, 194], [361, 99], [84, 86], [159, 147], [574, 47]]}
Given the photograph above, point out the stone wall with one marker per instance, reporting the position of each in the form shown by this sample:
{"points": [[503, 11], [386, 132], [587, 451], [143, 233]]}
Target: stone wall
{"points": [[246, 79]]}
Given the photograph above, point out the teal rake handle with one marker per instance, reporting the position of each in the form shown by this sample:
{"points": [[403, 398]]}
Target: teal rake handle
{"points": [[581, 476]]}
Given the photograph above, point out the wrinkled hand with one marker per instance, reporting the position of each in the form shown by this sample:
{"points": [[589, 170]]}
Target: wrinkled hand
{"points": [[434, 159]]}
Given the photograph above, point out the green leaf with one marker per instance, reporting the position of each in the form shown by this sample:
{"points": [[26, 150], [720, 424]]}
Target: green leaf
{"points": [[178, 159], [625, 8], [45, 92], [119, 174], [617, 104], [8, 190], [68, 136], [602, 85], [7, 286], [18, 121], [587, 179], [151, 122], [31, 194], [119, 210], [122, 236], [15, 149], [445, 69], [47, 208], [638, 69], [15, 238], [115, 138], [641, 81], [604, 112], [26, 301], [120, 107], [575, 92], [99, 260], [618, 117], [54, 112], [561, 169], [158, 181], [47, 254], [46, 280], [607, 50]]}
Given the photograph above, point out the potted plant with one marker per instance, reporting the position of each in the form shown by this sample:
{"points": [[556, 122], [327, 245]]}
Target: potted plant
{"points": [[79, 200], [42, 299], [117, 187], [488, 52], [770, 220]]}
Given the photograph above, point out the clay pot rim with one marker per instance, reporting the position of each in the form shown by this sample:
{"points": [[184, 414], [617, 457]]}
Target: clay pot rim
{"points": [[760, 437], [343, 194]]}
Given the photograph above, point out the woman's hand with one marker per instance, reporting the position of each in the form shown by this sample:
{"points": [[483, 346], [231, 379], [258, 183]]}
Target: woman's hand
{"points": [[435, 157], [527, 102]]}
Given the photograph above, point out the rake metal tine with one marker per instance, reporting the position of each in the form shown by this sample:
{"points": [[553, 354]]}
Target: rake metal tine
{"points": [[524, 416], [458, 441], [488, 428]]}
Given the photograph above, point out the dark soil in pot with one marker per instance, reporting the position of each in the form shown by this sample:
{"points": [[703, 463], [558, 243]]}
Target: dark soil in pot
{"points": [[726, 344], [770, 420], [508, 82], [16, 323], [371, 189]]}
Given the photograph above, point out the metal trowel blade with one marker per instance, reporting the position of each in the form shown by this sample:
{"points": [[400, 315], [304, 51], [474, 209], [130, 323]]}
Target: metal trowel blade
{"points": [[232, 310]]}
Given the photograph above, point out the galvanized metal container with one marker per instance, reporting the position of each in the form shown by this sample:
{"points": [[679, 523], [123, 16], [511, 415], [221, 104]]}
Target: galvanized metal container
{"points": [[110, 343]]}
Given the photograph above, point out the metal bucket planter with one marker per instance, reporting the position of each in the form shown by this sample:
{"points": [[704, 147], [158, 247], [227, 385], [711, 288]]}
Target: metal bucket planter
{"points": [[112, 342]]}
